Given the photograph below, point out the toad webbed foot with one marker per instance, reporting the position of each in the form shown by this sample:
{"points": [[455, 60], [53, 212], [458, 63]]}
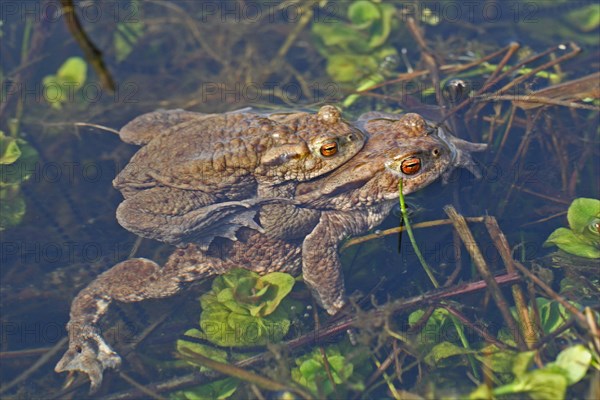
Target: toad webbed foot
{"points": [[129, 281], [88, 353]]}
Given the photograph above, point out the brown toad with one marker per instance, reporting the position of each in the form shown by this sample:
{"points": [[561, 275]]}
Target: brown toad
{"points": [[351, 200], [197, 174]]}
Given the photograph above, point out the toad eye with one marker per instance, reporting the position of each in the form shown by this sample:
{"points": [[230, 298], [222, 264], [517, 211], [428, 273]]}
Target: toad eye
{"points": [[329, 149], [410, 165]]}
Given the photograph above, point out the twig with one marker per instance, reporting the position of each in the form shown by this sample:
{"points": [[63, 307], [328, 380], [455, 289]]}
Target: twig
{"points": [[239, 373], [391, 231], [551, 293], [488, 338], [332, 330], [537, 100], [428, 58], [141, 387], [467, 237], [527, 329], [91, 52], [101, 127], [41, 361]]}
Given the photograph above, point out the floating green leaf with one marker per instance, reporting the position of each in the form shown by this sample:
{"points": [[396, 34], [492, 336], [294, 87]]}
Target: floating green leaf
{"points": [[17, 162], [357, 50], [581, 211], [574, 361], [363, 13], [9, 149], [583, 239], [245, 309], [311, 372], [73, 71], [547, 383], [572, 243], [500, 361], [221, 389], [195, 347], [522, 363], [552, 314], [539, 385], [382, 28], [21, 169], [61, 87], [445, 350]]}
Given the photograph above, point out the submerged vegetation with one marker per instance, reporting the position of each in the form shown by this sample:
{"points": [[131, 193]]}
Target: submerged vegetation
{"points": [[511, 316], [583, 236]]}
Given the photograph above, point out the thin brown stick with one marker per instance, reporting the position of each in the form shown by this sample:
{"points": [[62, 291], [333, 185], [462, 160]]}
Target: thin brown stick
{"points": [[401, 305], [527, 328], [591, 320], [391, 231], [510, 50], [575, 50], [551, 293], [47, 356], [481, 332], [380, 370], [507, 131], [151, 394], [240, 373], [92, 54], [467, 237], [428, 58], [475, 110], [536, 100]]}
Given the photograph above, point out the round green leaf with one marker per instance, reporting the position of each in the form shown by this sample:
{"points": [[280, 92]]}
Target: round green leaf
{"points": [[573, 243], [581, 212], [73, 71], [575, 361], [9, 149], [363, 13]]}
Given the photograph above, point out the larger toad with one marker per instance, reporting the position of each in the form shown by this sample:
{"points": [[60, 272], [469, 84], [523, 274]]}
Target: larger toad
{"points": [[353, 199], [187, 181]]}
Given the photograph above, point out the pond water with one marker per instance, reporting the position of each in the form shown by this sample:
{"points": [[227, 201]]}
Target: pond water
{"points": [[58, 223]]}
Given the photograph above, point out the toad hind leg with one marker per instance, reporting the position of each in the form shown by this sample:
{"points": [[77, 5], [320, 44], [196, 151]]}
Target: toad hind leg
{"points": [[180, 216], [129, 281]]}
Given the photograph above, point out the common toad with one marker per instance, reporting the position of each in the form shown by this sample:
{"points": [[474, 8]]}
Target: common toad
{"points": [[354, 198], [198, 175]]}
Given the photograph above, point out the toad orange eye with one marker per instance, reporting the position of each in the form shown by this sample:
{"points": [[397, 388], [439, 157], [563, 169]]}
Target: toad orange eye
{"points": [[329, 149], [411, 165]]}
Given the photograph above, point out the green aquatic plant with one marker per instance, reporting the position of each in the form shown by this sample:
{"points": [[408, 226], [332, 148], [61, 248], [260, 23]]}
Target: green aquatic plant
{"points": [[245, 309], [582, 238], [17, 159], [311, 372], [241, 309], [357, 51], [128, 32], [547, 383], [61, 87], [219, 390]]}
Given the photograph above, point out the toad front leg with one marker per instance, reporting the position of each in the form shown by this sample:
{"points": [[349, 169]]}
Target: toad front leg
{"points": [[321, 267], [129, 281]]}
